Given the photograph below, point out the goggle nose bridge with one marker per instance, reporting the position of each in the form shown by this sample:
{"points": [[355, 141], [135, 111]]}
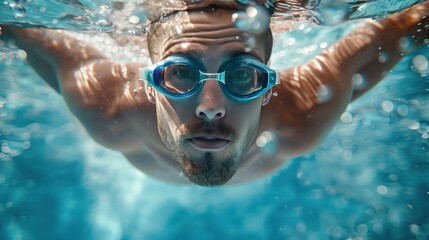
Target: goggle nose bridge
{"points": [[212, 77]]}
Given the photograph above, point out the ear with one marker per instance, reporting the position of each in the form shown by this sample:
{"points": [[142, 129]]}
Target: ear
{"points": [[267, 97], [150, 93]]}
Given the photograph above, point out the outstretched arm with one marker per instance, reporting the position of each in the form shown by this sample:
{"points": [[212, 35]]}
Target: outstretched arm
{"points": [[312, 96], [50, 52], [395, 36], [95, 88], [82, 73]]}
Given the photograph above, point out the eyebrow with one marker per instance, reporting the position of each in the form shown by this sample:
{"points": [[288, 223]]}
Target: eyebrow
{"points": [[253, 53], [191, 55], [236, 54]]}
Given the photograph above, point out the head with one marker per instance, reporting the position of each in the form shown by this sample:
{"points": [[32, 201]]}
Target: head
{"points": [[208, 134]]}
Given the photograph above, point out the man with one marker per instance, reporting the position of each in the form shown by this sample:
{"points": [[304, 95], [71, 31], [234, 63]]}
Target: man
{"points": [[199, 112]]}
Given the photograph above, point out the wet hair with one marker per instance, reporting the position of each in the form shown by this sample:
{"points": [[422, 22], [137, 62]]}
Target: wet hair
{"points": [[155, 31]]}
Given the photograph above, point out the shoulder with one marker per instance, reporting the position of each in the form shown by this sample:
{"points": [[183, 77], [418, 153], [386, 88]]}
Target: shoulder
{"points": [[105, 96], [102, 85]]}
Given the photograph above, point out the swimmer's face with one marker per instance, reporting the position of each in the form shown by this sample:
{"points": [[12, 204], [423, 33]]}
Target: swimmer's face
{"points": [[208, 134]]}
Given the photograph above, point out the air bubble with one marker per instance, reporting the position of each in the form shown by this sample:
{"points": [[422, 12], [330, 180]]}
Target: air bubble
{"points": [[26, 145], [378, 228], [250, 44], [5, 148], [423, 128], [382, 190], [301, 227], [324, 93], [414, 125], [362, 229], [387, 106], [251, 12], [405, 45], [359, 81], [323, 45], [333, 231], [393, 177], [383, 58], [267, 141], [134, 19], [403, 110], [346, 118], [22, 54], [420, 64], [414, 228], [254, 19]]}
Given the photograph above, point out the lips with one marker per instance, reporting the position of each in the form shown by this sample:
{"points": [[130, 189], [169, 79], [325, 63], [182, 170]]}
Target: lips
{"points": [[209, 143]]}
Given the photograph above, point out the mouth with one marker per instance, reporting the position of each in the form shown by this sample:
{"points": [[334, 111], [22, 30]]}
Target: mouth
{"points": [[209, 143]]}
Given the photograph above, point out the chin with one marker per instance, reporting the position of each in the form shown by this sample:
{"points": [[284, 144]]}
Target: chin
{"points": [[208, 181], [209, 171]]}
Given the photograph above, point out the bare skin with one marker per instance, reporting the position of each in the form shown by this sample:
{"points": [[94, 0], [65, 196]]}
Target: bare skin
{"points": [[122, 113]]}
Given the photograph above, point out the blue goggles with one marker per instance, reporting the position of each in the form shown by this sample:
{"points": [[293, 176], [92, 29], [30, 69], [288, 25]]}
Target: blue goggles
{"points": [[242, 79]]}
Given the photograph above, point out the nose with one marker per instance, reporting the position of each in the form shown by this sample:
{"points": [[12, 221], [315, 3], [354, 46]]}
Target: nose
{"points": [[211, 105]]}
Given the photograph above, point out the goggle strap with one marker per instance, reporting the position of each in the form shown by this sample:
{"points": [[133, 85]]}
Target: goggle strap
{"points": [[277, 76], [145, 74], [212, 76]]}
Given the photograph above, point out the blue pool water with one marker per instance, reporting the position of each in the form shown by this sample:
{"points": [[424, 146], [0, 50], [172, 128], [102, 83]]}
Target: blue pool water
{"points": [[368, 180]]}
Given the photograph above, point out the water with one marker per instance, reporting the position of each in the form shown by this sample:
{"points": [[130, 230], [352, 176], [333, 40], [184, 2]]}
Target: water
{"points": [[367, 180]]}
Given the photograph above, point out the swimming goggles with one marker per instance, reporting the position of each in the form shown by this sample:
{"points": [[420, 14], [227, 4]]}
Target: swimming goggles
{"points": [[241, 79]]}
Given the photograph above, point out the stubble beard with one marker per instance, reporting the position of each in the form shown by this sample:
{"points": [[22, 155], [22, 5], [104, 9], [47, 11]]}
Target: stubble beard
{"points": [[207, 170]]}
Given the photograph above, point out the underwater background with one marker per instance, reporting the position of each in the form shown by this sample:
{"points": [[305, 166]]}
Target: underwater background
{"points": [[368, 180]]}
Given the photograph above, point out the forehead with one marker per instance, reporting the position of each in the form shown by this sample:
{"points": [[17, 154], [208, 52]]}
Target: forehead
{"points": [[207, 32]]}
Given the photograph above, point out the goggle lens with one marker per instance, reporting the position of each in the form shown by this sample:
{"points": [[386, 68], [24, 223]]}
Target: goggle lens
{"points": [[179, 78], [244, 79]]}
